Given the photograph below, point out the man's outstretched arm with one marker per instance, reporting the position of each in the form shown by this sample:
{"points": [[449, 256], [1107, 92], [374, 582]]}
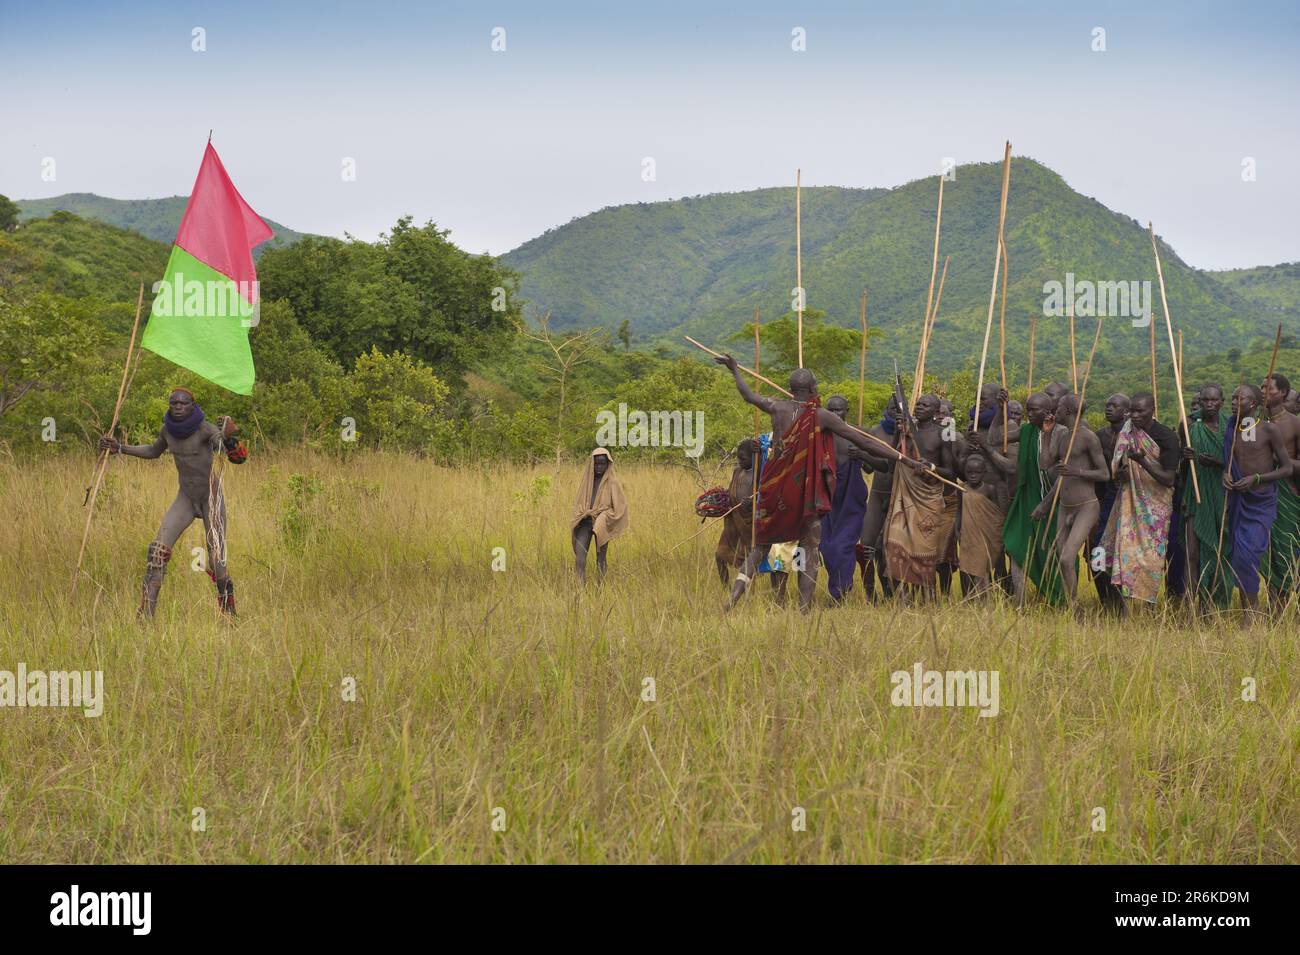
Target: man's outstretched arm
{"points": [[746, 392], [155, 450]]}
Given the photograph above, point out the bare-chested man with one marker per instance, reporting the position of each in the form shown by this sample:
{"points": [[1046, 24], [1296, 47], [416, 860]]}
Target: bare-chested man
{"points": [[1208, 576], [1259, 461], [192, 441], [1284, 541], [1076, 516], [737, 525], [786, 412], [1293, 401]]}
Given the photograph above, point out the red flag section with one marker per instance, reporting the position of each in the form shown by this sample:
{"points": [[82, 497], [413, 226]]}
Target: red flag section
{"points": [[219, 228]]}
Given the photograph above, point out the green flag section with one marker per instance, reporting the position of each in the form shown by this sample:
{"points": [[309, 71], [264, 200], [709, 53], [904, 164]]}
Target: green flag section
{"points": [[200, 321], [1033, 543]]}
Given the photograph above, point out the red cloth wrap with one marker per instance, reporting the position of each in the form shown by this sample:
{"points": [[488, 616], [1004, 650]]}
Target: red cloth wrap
{"points": [[798, 485]]}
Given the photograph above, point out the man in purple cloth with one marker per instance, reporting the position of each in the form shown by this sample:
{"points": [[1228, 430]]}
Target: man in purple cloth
{"points": [[1258, 461], [843, 525]]}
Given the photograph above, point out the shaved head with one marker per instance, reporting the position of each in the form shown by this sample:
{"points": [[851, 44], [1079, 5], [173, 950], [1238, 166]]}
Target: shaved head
{"points": [[803, 381]]}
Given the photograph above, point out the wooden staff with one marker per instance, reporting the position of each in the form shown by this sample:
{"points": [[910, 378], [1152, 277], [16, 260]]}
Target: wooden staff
{"points": [[1178, 374], [1033, 327], [798, 255], [1074, 365], [1069, 448], [1272, 362], [101, 465], [1002, 349], [997, 263], [1155, 401], [927, 330], [929, 295], [862, 359], [866, 434]]}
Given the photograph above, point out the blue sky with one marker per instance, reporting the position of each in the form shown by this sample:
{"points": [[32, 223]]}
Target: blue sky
{"points": [[499, 147]]}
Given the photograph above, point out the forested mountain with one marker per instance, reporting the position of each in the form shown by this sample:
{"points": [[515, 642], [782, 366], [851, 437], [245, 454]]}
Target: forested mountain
{"points": [[700, 266], [156, 218]]}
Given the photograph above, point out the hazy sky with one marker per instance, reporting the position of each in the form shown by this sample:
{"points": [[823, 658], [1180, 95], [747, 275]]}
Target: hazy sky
{"points": [[500, 146]]}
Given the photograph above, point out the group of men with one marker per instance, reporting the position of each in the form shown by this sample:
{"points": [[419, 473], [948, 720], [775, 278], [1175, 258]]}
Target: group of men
{"points": [[1020, 495]]}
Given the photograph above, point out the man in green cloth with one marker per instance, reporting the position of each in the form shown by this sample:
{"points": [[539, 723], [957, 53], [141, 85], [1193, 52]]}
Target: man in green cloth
{"points": [[1280, 562], [1031, 543], [1208, 560]]}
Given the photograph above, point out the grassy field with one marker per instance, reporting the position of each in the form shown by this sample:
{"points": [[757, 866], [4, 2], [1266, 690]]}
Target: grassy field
{"points": [[512, 696]]}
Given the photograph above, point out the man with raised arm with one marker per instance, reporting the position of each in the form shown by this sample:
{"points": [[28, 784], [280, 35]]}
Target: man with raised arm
{"points": [[798, 483], [193, 442]]}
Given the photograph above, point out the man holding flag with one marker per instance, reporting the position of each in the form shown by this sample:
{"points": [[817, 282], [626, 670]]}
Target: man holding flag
{"points": [[200, 318]]}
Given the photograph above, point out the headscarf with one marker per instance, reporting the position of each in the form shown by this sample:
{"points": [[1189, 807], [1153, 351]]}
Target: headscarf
{"points": [[609, 511]]}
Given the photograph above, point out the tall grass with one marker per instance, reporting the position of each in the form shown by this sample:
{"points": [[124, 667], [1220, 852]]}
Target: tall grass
{"points": [[480, 690]]}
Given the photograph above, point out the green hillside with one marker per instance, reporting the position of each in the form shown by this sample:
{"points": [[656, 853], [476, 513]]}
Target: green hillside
{"points": [[80, 257], [700, 266], [156, 218], [1275, 288]]}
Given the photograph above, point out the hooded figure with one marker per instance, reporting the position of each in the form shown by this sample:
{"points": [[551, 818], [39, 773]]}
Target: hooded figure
{"points": [[599, 511]]}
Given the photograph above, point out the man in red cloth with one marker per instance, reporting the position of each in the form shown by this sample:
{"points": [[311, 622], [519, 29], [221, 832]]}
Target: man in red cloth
{"points": [[798, 484]]}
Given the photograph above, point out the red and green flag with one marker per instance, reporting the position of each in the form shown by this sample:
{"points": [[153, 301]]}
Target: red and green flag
{"points": [[208, 298]]}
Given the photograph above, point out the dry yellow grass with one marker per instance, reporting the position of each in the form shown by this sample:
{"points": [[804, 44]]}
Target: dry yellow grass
{"points": [[480, 690]]}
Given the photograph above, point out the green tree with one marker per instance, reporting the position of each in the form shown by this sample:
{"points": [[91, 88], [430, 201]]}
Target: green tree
{"points": [[8, 214]]}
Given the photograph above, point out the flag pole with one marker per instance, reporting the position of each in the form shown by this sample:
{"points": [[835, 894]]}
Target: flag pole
{"points": [[1002, 348], [101, 465], [929, 296], [997, 264]]}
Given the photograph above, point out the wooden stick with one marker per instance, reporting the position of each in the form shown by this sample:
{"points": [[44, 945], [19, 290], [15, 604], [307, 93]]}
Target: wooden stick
{"points": [[101, 465], [866, 434], [997, 264], [1002, 349], [1272, 362], [862, 359], [929, 295], [706, 525], [1069, 448], [1155, 400], [1074, 365], [798, 254], [1033, 327], [1178, 374], [918, 384]]}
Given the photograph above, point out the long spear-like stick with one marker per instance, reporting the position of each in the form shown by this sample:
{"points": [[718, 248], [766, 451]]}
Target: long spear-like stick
{"points": [[1002, 349], [918, 385], [1033, 327], [1074, 364], [1178, 374], [798, 255], [1155, 400], [862, 359], [101, 465], [894, 452], [929, 295], [997, 264]]}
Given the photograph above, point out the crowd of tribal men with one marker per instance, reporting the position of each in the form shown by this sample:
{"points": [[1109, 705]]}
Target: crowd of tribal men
{"points": [[984, 501]]}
